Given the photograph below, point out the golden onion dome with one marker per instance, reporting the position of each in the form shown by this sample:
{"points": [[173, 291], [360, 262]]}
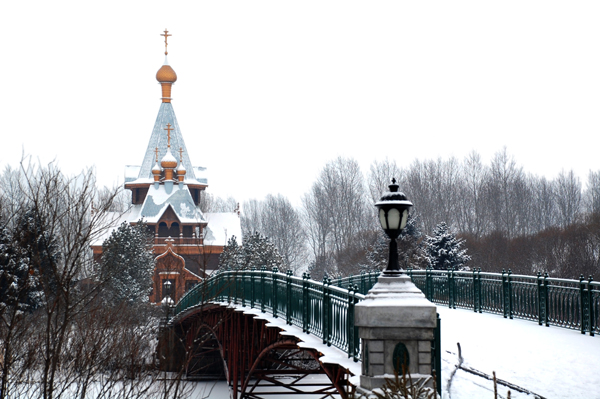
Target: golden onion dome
{"points": [[168, 161], [166, 74]]}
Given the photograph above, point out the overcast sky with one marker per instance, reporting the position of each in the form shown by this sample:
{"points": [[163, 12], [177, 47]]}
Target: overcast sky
{"points": [[269, 91]]}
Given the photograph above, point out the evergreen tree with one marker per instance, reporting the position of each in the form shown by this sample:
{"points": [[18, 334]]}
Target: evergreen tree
{"points": [[232, 257], [257, 251], [376, 258], [26, 257], [128, 263], [443, 250]]}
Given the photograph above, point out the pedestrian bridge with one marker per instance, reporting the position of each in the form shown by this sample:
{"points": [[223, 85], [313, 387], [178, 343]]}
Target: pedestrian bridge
{"points": [[262, 328]]}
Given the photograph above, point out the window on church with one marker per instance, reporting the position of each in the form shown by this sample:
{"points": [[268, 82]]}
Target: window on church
{"points": [[163, 230]]}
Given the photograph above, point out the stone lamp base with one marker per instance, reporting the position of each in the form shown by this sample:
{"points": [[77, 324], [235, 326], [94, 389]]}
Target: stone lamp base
{"points": [[396, 324]]}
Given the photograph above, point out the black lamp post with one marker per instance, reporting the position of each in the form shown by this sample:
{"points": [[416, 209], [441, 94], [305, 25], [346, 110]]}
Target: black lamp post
{"points": [[167, 285], [393, 214], [167, 297]]}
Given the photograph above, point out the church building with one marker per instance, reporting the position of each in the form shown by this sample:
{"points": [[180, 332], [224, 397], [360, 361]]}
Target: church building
{"points": [[166, 191]]}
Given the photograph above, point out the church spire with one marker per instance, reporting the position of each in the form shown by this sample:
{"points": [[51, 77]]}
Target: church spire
{"points": [[166, 76]]}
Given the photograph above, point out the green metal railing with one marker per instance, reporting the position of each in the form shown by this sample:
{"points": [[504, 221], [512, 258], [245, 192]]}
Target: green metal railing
{"points": [[321, 309], [572, 304]]}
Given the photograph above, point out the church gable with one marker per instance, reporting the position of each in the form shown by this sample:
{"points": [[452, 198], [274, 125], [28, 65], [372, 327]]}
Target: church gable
{"points": [[180, 202]]}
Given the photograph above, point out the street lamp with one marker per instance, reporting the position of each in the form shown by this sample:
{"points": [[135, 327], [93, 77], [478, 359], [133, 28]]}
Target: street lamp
{"points": [[167, 285], [393, 214], [167, 298]]}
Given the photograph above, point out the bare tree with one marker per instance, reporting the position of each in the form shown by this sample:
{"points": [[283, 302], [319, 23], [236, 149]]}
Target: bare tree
{"points": [[276, 218], [338, 214], [593, 192], [212, 203], [472, 216], [568, 197], [504, 174], [380, 176]]}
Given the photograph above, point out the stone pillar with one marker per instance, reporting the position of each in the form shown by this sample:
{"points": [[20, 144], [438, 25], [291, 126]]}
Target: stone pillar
{"points": [[396, 324]]}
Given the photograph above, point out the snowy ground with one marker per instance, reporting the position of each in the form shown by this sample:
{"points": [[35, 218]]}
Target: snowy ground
{"points": [[551, 362]]}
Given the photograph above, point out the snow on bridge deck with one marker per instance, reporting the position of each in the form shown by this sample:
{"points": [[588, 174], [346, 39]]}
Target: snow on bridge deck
{"points": [[551, 362]]}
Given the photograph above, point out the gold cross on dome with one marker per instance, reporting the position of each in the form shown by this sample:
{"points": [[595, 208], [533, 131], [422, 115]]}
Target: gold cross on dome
{"points": [[156, 151], [168, 129], [166, 35], [180, 154]]}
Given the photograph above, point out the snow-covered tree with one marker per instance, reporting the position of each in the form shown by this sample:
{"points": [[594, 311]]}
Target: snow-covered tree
{"points": [[257, 251], [260, 251], [443, 250], [128, 263], [376, 258], [232, 257], [26, 255]]}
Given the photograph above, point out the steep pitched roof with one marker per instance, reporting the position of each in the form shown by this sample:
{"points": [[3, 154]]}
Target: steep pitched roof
{"points": [[166, 115]]}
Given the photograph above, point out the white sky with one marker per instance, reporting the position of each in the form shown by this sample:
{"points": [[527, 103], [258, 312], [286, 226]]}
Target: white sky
{"points": [[269, 91]]}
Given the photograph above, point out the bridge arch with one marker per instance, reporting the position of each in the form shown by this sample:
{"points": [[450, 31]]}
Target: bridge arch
{"points": [[250, 353], [205, 359]]}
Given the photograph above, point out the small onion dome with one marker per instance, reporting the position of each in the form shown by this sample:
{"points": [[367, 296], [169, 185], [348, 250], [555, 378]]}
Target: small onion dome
{"points": [[180, 171], [166, 74], [156, 172], [168, 161]]}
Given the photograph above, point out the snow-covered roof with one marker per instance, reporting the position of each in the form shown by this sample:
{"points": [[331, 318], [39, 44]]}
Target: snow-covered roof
{"points": [[177, 196], [158, 139], [221, 227]]}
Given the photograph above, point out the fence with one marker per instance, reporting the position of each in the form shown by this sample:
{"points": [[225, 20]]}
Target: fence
{"points": [[572, 304]]}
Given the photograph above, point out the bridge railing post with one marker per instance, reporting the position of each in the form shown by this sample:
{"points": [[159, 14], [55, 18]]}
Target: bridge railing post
{"points": [[428, 284], [510, 294], [326, 310], [305, 302], [288, 305], [591, 312], [229, 287], [507, 294], [582, 304], [263, 271], [243, 287], [274, 300], [475, 289], [252, 291], [451, 289], [363, 283], [479, 294], [350, 321]]}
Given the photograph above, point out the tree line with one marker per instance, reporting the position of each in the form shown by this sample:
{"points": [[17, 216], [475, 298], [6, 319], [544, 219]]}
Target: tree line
{"points": [[507, 218]]}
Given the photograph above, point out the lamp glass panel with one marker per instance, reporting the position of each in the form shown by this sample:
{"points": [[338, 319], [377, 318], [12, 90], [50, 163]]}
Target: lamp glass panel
{"points": [[404, 219], [382, 219], [393, 219]]}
